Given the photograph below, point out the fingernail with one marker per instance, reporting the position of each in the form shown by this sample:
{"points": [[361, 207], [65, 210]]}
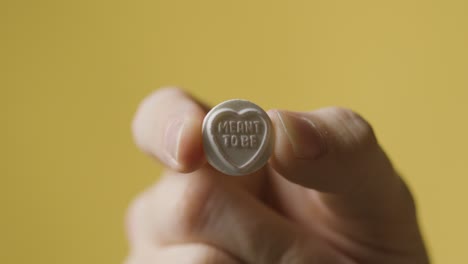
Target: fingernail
{"points": [[302, 134], [172, 141]]}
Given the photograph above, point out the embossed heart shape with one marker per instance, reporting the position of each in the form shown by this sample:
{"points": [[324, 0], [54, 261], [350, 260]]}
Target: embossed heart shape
{"points": [[240, 137]]}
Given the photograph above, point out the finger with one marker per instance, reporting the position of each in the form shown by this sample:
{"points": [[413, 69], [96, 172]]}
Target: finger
{"points": [[202, 209], [318, 149], [182, 254], [334, 151], [167, 125]]}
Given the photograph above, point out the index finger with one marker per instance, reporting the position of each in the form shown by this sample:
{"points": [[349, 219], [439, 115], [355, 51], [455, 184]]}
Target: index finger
{"points": [[167, 125]]}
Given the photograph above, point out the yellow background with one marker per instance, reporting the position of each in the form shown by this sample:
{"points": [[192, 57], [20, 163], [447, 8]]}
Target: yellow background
{"points": [[73, 72]]}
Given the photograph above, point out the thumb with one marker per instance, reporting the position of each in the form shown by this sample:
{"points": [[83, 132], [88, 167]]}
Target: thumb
{"points": [[359, 200], [334, 151], [330, 149]]}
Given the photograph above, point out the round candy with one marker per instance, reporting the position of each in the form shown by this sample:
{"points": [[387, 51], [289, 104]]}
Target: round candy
{"points": [[237, 137]]}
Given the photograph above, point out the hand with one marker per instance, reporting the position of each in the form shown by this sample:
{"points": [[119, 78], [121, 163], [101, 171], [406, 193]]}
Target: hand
{"points": [[329, 194]]}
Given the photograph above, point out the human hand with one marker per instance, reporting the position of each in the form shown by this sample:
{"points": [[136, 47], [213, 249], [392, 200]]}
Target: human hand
{"points": [[329, 194]]}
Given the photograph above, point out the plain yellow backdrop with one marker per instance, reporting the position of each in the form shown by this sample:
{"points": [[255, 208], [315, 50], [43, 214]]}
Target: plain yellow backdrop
{"points": [[73, 72]]}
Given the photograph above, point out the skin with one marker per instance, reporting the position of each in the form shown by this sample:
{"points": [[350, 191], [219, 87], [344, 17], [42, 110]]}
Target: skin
{"points": [[328, 194]]}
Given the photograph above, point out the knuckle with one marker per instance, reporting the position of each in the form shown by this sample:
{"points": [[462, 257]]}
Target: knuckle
{"points": [[294, 253], [306, 250], [136, 207], [129, 260], [135, 219], [194, 205], [192, 253], [175, 209], [409, 202], [208, 255]]}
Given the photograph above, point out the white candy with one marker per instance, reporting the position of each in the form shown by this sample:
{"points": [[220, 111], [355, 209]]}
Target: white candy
{"points": [[237, 137]]}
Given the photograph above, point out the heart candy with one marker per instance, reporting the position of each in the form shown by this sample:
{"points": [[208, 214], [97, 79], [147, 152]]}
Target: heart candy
{"points": [[237, 137]]}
